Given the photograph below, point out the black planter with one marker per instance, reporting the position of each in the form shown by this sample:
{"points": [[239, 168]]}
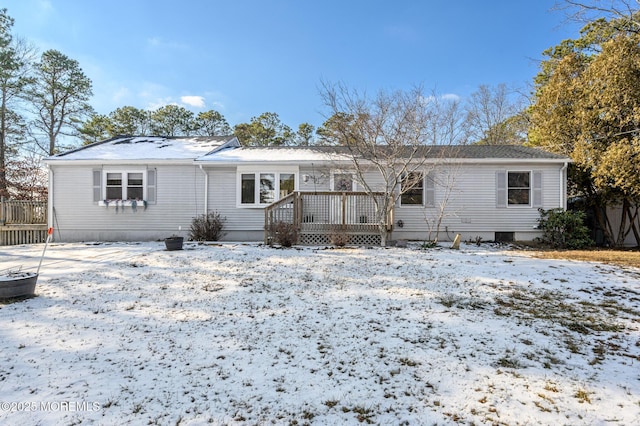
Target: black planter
{"points": [[174, 243], [23, 284]]}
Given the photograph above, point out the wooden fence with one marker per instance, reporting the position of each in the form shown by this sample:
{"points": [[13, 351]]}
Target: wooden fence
{"points": [[22, 222]]}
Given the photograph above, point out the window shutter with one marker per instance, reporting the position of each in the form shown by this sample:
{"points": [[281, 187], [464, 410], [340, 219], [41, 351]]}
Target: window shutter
{"points": [[97, 186], [151, 186], [501, 188], [429, 191], [537, 189]]}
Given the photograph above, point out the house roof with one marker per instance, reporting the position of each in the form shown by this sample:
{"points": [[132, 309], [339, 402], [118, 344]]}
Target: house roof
{"points": [[491, 151], [227, 149], [338, 153], [147, 148]]}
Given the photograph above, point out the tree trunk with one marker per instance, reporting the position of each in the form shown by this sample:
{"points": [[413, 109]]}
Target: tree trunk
{"points": [[623, 224], [603, 222], [632, 224], [383, 238], [4, 186]]}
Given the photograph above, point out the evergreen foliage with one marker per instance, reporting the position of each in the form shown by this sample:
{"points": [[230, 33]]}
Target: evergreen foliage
{"points": [[587, 106], [564, 229], [60, 96], [264, 130], [15, 57]]}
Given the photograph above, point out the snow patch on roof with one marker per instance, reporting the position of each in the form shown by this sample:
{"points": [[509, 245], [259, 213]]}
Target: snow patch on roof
{"points": [[147, 147], [271, 154]]}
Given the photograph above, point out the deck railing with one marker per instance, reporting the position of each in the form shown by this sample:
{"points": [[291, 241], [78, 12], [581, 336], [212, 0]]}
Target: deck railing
{"points": [[22, 222], [326, 212]]}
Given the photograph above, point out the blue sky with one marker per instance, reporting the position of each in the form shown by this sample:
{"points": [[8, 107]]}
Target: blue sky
{"points": [[245, 57]]}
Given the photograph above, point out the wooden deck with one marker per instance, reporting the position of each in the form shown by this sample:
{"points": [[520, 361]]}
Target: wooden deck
{"points": [[318, 215], [23, 222]]}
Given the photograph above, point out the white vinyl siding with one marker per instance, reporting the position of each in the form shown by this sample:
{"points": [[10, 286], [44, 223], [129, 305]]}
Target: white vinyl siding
{"points": [[178, 192], [80, 214], [501, 188], [477, 206], [222, 198]]}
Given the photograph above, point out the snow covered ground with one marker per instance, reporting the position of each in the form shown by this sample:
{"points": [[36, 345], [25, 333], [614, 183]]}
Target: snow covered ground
{"points": [[246, 334]]}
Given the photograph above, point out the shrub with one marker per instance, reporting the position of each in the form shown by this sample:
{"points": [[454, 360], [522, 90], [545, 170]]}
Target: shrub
{"points": [[285, 234], [564, 229], [207, 227], [338, 237]]}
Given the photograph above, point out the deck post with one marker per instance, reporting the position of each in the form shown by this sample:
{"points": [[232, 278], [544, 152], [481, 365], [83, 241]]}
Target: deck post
{"points": [[344, 209], [297, 209], [266, 225]]}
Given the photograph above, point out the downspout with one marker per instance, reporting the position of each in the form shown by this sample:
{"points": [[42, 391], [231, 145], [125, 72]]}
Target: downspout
{"points": [[563, 186], [206, 189], [50, 200]]}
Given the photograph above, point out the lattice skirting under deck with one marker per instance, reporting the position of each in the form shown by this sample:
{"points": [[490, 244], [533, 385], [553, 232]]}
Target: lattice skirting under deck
{"points": [[355, 239]]}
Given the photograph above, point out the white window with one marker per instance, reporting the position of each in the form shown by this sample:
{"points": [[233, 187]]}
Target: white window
{"points": [[412, 189], [124, 185], [261, 188], [342, 181], [519, 188]]}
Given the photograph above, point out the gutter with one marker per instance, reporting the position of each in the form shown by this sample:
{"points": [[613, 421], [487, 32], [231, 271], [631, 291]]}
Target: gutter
{"points": [[206, 189]]}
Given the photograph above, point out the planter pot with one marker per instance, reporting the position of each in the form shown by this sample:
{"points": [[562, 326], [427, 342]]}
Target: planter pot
{"points": [[18, 285], [173, 243]]}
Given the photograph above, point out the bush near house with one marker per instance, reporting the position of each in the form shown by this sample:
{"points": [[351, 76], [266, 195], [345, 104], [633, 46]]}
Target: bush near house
{"points": [[564, 229], [207, 227], [338, 237], [285, 234]]}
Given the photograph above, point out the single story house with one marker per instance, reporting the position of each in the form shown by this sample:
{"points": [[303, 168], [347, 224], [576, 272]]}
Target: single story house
{"points": [[148, 188]]}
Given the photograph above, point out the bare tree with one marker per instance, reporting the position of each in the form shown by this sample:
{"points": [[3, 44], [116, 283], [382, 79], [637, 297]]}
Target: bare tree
{"points": [[625, 11], [389, 138], [444, 181], [28, 178], [489, 113], [447, 125]]}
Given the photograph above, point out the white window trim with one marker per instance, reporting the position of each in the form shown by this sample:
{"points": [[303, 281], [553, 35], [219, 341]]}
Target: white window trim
{"points": [[335, 172], [124, 173], [257, 171], [424, 194], [520, 206]]}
